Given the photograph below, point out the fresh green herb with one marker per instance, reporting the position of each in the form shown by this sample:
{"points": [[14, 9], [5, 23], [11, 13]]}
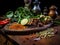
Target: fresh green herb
{"points": [[9, 14], [19, 14], [56, 22]]}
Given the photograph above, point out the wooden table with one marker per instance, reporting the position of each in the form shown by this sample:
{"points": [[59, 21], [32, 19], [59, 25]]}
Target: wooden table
{"points": [[29, 39]]}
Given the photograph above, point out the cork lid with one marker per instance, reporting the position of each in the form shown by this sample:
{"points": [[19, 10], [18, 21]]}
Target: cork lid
{"points": [[53, 7]]}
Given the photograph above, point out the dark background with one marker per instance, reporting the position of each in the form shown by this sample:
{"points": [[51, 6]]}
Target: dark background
{"points": [[6, 5]]}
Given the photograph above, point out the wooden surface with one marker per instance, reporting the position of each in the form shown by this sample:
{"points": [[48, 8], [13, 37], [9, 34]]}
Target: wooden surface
{"points": [[3, 41], [29, 39]]}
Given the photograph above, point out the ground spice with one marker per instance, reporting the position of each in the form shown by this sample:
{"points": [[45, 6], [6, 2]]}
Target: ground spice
{"points": [[16, 26]]}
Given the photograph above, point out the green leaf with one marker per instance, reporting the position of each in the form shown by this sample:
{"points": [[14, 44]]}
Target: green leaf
{"points": [[9, 14], [56, 22]]}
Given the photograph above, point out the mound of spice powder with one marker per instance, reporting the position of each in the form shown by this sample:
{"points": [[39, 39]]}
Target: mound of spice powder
{"points": [[16, 26]]}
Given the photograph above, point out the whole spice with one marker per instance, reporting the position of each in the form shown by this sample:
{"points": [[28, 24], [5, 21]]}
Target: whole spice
{"points": [[47, 33], [4, 21]]}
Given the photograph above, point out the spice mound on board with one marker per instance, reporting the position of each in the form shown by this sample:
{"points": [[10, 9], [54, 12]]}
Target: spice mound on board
{"points": [[16, 26], [47, 33]]}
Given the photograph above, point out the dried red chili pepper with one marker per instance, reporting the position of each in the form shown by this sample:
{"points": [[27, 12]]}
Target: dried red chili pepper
{"points": [[3, 22]]}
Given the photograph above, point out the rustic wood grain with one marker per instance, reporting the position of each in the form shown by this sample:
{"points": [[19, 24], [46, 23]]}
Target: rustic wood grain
{"points": [[3, 41], [29, 39]]}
